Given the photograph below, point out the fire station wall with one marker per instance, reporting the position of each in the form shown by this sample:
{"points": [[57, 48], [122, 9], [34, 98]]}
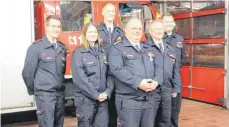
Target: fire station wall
{"points": [[227, 54]]}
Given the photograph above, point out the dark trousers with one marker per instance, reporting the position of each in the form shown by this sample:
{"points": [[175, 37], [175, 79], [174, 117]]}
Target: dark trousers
{"points": [[176, 106], [163, 103], [91, 113], [50, 110], [112, 111], [134, 113]]}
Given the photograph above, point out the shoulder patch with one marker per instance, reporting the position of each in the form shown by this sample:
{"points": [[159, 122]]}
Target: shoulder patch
{"points": [[119, 38], [179, 44]]}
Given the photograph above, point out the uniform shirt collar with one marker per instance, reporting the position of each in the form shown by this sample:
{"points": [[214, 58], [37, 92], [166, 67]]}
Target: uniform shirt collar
{"points": [[110, 26], [134, 44], [157, 44], [55, 41]]}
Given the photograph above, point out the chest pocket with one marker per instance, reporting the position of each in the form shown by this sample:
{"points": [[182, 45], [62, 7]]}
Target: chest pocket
{"points": [[48, 58], [130, 57], [90, 67], [130, 60], [47, 61]]}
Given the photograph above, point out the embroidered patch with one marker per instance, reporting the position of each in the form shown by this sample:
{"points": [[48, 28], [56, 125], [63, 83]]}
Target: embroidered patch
{"points": [[105, 57], [129, 55], [179, 44], [49, 58], [118, 38], [89, 63]]}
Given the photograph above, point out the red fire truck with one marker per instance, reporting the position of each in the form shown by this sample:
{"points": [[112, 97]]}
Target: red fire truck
{"points": [[203, 24]]}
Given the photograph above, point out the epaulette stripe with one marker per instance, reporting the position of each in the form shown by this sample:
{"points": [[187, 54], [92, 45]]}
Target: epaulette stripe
{"points": [[117, 42]]}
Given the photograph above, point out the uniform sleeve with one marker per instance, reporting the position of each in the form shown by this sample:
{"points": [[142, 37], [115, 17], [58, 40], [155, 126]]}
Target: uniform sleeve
{"points": [[176, 81], [65, 55], [158, 69], [110, 84], [30, 68], [183, 53], [120, 72], [79, 77]]}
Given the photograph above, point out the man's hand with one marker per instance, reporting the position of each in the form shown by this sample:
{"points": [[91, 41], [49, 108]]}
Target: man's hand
{"points": [[174, 95], [145, 84], [153, 86]]}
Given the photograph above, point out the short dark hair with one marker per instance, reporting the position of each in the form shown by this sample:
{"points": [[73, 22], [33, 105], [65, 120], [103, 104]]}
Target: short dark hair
{"points": [[51, 17]]}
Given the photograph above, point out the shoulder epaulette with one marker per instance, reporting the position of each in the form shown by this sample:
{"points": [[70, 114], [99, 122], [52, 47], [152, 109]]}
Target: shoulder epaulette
{"points": [[117, 42], [36, 41]]}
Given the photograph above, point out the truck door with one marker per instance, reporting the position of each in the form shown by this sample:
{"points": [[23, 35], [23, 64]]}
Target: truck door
{"points": [[202, 24]]}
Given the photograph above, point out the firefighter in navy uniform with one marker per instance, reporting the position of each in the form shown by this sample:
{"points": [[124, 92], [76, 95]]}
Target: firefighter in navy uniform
{"points": [[93, 84], [137, 72], [43, 74], [171, 78], [176, 41], [109, 34]]}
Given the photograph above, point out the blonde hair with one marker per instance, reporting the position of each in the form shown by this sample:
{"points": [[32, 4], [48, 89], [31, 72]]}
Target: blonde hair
{"points": [[85, 43]]}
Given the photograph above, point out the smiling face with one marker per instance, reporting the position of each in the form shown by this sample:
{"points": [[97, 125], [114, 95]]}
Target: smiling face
{"points": [[157, 30], [53, 28], [133, 30], [109, 12], [91, 34], [169, 23]]}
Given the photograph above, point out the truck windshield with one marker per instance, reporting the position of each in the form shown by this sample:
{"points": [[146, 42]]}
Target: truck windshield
{"points": [[74, 14]]}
